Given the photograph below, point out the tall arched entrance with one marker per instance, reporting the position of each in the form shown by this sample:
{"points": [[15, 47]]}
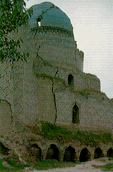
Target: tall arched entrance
{"points": [[75, 114]]}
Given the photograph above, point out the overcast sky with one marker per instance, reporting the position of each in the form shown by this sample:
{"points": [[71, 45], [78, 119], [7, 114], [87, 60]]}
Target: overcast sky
{"points": [[92, 22]]}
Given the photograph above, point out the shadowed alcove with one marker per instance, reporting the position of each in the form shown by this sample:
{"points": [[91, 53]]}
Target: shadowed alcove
{"points": [[71, 80], [70, 154], [85, 155], [75, 114], [98, 153], [52, 153], [110, 152], [35, 151], [3, 150]]}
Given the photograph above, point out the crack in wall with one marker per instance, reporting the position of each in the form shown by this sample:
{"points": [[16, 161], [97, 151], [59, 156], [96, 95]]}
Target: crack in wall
{"points": [[54, 97]]}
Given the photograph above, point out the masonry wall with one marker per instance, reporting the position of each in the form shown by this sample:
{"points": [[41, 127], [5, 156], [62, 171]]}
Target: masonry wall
{"points": [[6, 83], [95, 109], [40, 87]]}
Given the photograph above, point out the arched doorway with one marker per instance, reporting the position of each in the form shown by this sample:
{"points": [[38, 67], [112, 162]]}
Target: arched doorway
{"points": [[71, 80], [53, 153], [85, 155], [70, 154], [98, 153], [75, 114], [35, 151], [110, 152]]}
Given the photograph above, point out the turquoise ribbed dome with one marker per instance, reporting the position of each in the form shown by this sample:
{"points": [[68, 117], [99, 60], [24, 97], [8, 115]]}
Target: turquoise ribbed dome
{"points": [[54, 17]]}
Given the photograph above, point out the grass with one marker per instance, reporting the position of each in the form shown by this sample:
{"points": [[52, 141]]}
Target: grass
{"points": [[106, 167], [43, 75], [44, 165], [14, 166], [61, 134], [85, 91], [39, 165]]}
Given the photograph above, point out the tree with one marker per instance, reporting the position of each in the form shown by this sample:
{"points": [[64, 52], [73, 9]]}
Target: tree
{"points": [[13, 14]]}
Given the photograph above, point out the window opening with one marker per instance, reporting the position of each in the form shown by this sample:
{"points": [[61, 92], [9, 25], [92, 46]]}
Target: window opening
{"points": [[71, 80], [75, 115], [39, 23], [39, 20]]}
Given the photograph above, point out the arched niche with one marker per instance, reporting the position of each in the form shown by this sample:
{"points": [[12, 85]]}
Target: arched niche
{"points": [[69, 155], [98, 153], [52, 153], [35, 151], [71, 80], [85, 155], [75, 114], [110, 152], [3, 149]]}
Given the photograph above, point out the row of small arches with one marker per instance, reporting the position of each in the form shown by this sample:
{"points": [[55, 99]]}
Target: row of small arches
{"points": [[69, 155], [53, 153]]}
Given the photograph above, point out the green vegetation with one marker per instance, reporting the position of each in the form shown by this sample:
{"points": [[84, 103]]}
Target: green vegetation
{"points": [[105, 167], [36, 164], [44, 165], [14, 166], [61, 134], [43, 75], [13, 14], [85, 91]]}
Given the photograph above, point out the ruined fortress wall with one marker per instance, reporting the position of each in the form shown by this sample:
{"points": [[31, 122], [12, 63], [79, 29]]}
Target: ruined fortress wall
{"points": [[79, 59], [6, 83], [37, 97], [97, 114], [46, 100], [57, 49], [95, 110], [33, 96], [83, 81]]}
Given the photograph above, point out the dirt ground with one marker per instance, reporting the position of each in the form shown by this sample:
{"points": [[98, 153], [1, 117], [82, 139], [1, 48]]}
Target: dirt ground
{"points": [[83, 167]]}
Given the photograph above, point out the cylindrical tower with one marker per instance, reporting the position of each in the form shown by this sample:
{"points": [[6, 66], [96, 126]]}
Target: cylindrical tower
{"points": [[55, 35]]}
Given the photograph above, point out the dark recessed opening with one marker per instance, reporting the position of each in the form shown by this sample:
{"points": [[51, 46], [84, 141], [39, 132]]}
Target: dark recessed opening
{"points": [[71, 80], [39, 20], [85, 155], [3, 150], [110, 152], [70, 154], [35, 151], [75, 115], [53, 153], [98, 153]]}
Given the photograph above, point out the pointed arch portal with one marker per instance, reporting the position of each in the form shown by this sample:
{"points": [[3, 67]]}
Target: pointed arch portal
{"points": [[53, 153], [35, 151], [71, 80], [70, 154], [75, 114]]}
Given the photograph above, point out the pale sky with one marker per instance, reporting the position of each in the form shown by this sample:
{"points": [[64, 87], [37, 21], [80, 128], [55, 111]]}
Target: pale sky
{"points": [[92, 22]]}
